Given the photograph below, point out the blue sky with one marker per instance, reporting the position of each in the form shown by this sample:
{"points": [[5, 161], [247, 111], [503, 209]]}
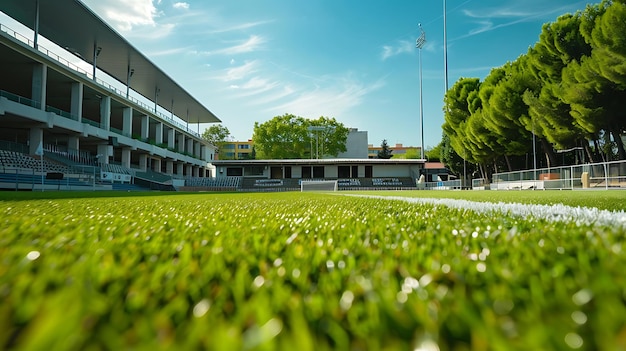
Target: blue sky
{"points": [[354, 60]]}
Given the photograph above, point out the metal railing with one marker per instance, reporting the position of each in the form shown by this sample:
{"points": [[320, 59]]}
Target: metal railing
{"points": [[20, 99], [442, 185], [89, 75], [605, 175]]}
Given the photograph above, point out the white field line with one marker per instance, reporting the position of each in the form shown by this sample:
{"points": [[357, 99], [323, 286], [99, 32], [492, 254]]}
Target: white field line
{"points": [[553, 213]]}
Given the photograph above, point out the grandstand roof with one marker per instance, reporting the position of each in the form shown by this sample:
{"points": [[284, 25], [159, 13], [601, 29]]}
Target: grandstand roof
{"points": [[73, 26]]}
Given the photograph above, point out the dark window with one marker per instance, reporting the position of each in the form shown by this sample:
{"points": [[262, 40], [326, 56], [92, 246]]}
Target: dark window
{"points": [[253, 171], [306, 172], [343, 171], [318, 172], [368, 172], [234, 172]]}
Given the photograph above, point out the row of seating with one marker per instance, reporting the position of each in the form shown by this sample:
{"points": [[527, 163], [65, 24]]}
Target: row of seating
{"points": [[348, 182], [268, 182], [108, 167], [227, 182], [386, 182], [12, 159]]}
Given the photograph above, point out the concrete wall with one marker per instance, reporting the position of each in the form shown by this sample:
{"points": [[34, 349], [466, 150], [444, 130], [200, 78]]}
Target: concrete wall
{"points": [[356, 145], [391, 171]]}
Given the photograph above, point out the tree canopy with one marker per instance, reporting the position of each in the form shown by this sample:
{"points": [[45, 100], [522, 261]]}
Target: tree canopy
{"points": [[293, 137], [217, 135], [385, 151], [566, 91]]}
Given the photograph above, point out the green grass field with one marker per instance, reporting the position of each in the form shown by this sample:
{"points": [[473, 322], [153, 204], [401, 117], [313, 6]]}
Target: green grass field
{"points": [[99, 271]]}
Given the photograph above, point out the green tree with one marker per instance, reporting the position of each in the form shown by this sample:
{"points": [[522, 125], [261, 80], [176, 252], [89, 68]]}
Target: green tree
{"points": [[292, 137], [217, 135], [252, 155], [595, 86], [385, 151], [549, 116], [409, 154], [503, 109], [433, 154], [452, 160]]}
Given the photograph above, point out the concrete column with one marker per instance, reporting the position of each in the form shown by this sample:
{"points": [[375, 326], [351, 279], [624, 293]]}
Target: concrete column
{"points": [[156, 165], [73, 143], [179, 168], [169, 167], [127, 121], [105, 112], [159, 133], [143, 162], [181, 142], [39, 82], [35, 138], [171, 138], [203, 153], [76, 109], [188, 170], [196, 148], [105, 151], [195, 172], [189, 147], [145, 127], [126, 157]]}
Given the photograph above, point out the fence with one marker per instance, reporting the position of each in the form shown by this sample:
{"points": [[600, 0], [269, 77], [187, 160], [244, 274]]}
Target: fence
{"points": [[79, 178], [441, 185], [606, 175]]}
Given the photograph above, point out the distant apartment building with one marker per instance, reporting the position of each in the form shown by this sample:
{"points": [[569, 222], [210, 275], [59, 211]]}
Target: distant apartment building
{"points": [[356, 147], [399, 149], [236, 150]]}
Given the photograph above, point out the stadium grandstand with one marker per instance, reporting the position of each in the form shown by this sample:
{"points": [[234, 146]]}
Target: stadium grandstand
{"points": [[85, 104]]}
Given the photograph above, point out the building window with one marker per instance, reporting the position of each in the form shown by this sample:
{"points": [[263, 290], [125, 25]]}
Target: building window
{"points": [[234, 172], [254, 170], [244, 146]]}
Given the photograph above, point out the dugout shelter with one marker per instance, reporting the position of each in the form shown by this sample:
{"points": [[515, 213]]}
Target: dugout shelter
{"points": [[350, 173]]}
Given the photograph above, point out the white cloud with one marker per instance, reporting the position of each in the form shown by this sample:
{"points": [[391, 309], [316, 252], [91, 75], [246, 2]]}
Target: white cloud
{"points": [[276, 94], [125, 14], [167, 52], [401, 47], [151, 32], [237, 27], [256, 86], [181, 5], [253, 43], [532, 10], [333, 99], [238, 73]]}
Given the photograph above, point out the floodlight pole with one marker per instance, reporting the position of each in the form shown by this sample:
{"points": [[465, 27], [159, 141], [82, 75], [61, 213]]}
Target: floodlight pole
{"points": [[534, 154], [41, 162], [445, 46], [419, 43]]}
